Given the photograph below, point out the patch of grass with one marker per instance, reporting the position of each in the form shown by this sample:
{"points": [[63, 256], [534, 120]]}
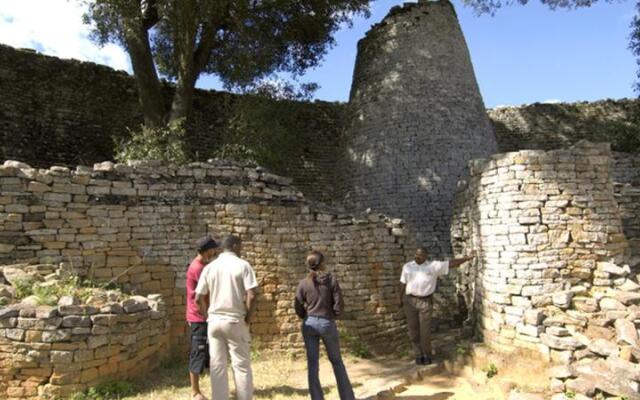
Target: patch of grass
{"points": [[110, 390], [356, 347], [24, 287], [462, 349], [404, 353], [570, 394], [256, 347], [491, 370], [48, 293]]}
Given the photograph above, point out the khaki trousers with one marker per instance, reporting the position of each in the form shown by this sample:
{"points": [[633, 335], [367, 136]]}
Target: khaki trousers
{"points": [[232, 336], [418, 311]]}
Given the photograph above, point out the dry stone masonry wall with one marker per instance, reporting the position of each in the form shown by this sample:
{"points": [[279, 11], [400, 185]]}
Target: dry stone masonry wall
{"points": [[553, 126], [53, 352], [66, 112], [417, 119], [138, 224], [551, 277]]}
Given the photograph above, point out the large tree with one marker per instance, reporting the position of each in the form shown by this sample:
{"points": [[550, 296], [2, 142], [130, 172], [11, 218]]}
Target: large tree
{"points": [[240, 41]]}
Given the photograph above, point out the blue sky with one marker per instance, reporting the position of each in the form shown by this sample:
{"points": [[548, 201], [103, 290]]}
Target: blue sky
{"points": [[523, 54]]}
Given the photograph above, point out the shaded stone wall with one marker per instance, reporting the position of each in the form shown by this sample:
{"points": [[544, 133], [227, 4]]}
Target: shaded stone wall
{"points": [[626, 168], [138, 224], [628, 199], [51, 352], [417, 118], [553, 126], [66, 112]]}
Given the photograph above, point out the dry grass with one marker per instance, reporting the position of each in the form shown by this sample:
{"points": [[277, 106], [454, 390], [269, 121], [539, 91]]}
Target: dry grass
{"points": [[276, 376]]}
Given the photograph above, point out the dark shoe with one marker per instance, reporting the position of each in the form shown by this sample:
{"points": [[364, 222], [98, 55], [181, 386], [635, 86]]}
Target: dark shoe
{"points": [[427, 360], [419, 360]]}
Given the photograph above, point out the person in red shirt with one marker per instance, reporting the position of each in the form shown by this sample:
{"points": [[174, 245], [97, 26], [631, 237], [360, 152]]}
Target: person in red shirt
{"points": [[199, 354]]}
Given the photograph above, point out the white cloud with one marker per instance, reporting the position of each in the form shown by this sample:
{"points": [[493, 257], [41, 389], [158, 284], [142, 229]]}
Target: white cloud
{"points": [[55, 27], [551, 101]]}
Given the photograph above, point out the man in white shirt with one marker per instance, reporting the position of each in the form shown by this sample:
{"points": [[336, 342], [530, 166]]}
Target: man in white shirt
{"points": [[419, 278], [231, 284]]}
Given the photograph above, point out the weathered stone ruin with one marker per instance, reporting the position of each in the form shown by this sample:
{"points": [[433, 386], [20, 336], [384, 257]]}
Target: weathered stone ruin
{"points": [[138, 224], [552, 275], [417, 118], [555, 220]]}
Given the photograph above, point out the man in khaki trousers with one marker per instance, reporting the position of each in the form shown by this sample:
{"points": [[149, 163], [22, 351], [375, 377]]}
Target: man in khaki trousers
{"points": [[418, 279], [230, 283]]}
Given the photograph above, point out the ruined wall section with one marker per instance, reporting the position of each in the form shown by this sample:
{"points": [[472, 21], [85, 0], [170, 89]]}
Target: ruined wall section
{"points": [[53, 352], [138, 225], [554, 276], [545, 224]]}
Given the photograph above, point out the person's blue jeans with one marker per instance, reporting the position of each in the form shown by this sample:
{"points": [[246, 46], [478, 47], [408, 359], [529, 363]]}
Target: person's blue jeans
{"points": [[314, 329]]}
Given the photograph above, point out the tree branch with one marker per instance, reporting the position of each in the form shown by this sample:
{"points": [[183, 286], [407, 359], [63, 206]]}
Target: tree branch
{"points": [[150, 15]]}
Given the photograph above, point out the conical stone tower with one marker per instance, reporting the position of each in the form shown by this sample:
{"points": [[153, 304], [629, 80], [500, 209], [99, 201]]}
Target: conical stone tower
{"points": [[417, 118]]}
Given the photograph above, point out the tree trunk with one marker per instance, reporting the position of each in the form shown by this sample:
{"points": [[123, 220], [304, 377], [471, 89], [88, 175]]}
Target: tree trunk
{"points": [[183, 98], [192, 57], [146, 76]]}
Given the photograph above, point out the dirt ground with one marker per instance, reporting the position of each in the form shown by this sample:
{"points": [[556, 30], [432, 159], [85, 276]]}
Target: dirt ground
{"points": [[283, 376]]}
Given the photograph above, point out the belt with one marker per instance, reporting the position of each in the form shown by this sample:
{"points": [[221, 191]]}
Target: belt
{"points": [[420, 297]]}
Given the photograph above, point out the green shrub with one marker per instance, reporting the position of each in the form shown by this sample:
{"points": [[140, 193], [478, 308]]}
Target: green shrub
{"points": [[24, 287], [164, 144], [491, 370], [570, 394], [462, 349], [356, 347], [49, 293]]}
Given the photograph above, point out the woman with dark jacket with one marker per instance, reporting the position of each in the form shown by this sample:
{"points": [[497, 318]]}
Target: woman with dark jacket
{"points": [[319, 303]]}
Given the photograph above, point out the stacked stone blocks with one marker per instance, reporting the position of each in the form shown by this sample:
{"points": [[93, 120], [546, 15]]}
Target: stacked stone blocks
{"points": [[55, 351], [137, 225], [551, 276]]}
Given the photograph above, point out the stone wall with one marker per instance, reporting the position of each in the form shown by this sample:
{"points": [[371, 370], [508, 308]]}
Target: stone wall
{"points": [[138, 225], [551, 278], [51, 107], [553, 126], [628, 199], [66, 112], [543, 222], [55, 351], [626, 168], [413, 129]]}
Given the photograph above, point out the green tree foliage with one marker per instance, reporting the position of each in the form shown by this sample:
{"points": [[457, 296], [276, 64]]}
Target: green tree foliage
{"points": [[491, 6], [239, 41], [164, 143]]}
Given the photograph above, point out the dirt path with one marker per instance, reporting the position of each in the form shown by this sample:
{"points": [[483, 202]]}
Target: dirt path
{"points": [[279, 376]]}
